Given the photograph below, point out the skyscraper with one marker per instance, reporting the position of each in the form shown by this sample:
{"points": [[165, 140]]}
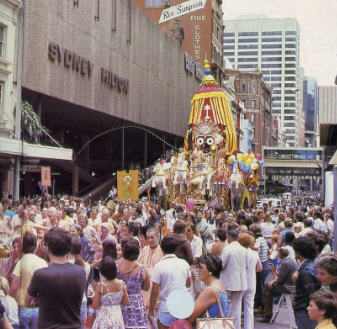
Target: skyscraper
{"points": [[258, 43], [310, 107]]}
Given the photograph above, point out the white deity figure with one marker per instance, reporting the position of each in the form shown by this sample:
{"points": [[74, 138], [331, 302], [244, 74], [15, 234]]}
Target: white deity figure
{"points": [[203, 181], [181, 168], [161, 170]]}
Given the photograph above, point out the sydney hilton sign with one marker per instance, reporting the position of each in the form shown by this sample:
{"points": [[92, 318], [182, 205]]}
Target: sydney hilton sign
{"points": [[72, 61]]}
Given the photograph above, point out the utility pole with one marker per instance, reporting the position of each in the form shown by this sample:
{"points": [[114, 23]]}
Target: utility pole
{"points": [[18, 101]]}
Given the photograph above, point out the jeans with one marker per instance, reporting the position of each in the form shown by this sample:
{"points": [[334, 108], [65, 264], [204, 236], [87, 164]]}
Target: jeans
{"points": [[28, 317], [303, 321]]}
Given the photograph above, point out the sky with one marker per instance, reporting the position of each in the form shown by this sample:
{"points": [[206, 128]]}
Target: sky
{"points": [[318, 30]]}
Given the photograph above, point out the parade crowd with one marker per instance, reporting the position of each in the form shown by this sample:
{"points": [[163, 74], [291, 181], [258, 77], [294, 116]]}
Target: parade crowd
{"points": [[69, 264]]}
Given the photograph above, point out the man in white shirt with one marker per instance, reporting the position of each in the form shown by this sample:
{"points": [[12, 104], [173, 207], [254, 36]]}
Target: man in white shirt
{"points": [[169, 274], [234, 275]]}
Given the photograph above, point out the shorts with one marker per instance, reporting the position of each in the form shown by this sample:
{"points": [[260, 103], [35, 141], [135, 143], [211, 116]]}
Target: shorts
{"points": [[165, 318]]}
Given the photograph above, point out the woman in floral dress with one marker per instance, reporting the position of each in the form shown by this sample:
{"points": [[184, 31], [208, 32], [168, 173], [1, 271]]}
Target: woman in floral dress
{"points": [[110, 293], [136, 278]]}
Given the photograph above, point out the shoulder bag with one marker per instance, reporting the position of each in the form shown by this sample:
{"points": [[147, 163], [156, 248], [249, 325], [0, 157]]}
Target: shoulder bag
{"points": [[215, 323]]}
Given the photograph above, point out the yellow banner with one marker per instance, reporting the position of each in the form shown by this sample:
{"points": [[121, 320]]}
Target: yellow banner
{"points": [[127, 185]]}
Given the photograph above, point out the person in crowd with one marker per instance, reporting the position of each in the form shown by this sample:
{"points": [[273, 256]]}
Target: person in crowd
{"points": [[323, 309], [307, 224], [204, 228], [281, 283], [327, 271], [9, 303], [183, 246], [217, 247], [4, 323], [89, 232], [234, 275], [197, 250], [267, 228], [22, 274], [262, 247], [74, 257], [209, 268], [59, 287], [87, 251], [288, 227], [136, 277], [289, 238], [254, 266], [110, 294], [149, 257], [306, 281], [169, 274]]}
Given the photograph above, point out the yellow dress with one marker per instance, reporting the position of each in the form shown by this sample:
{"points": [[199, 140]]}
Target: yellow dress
{"points": [[325, 324]]}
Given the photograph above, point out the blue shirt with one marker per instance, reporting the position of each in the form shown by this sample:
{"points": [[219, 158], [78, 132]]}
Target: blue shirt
{"points": [[214, 311]]}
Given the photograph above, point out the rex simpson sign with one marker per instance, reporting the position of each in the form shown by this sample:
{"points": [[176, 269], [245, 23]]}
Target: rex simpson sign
{"points": [[183, 8]]}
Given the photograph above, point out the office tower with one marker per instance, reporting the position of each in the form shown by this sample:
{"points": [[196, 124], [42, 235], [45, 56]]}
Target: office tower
{"points": [[271, 46], [310, 107]]}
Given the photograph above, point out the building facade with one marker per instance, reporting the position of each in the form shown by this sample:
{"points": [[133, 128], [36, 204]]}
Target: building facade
{"points": [[255, 97], [270, 46], [195, 24], [310, 107], [9, 17], [107, 84]]}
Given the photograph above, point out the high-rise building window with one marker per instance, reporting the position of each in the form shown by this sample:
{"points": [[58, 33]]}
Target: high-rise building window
{"points": [[291, 52], [271, 46], [289, 85], [290, 59], [248, 34], [276, 85], [228, 40], [271, 39], [291, 33], [271, 59], [226, 53], [2, 41], [290, 65], [272, 52], [155, 3], [228, 34], [290, 72], [248, 40], [289, 118], [289, 98], [248, 53], [291, 39], [243, 88], [290, 45], [229, 47], [271, 65], [272, 33], [248, 46], [248, 59], [253, 104], [247, 66], [289, 79]]}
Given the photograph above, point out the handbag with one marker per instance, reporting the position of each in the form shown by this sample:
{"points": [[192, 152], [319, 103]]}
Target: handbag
{"points": [[89, 321], [215, 323]]}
